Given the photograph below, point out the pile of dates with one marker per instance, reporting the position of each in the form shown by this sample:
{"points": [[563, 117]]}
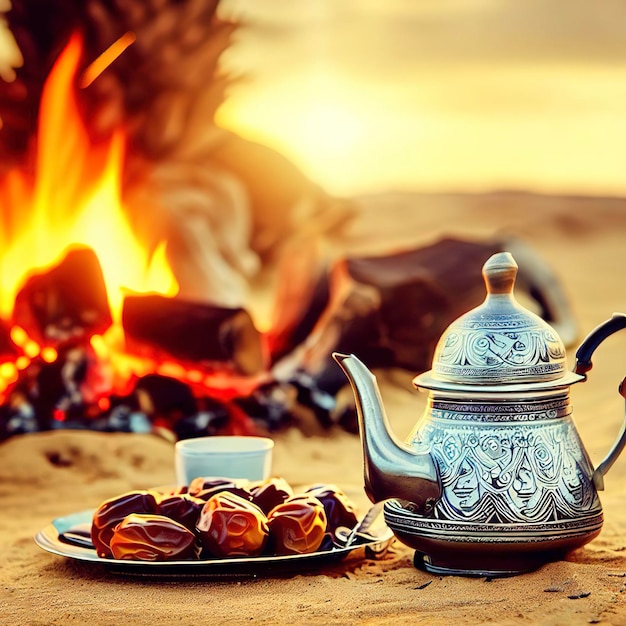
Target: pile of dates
{"points": [[218, 518]]}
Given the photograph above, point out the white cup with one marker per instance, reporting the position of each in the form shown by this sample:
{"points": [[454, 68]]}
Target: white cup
{"points": [[230, 456]]}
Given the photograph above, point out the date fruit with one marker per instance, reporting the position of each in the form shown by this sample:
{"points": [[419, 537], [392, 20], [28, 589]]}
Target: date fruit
{"points": [[111, 512], [269, 493], [142, 537], [338, 508], [232, 526], [226, 518], [205, 488], [297, 526], [183, 508]]}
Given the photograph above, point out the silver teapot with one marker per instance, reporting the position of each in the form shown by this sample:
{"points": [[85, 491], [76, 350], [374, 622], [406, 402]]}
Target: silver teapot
{"points": [[494, 479]]}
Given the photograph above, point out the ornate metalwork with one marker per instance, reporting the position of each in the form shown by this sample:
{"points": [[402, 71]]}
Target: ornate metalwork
{"points": [[500, 341], [402, 520], [528, 468], [494, 349]]}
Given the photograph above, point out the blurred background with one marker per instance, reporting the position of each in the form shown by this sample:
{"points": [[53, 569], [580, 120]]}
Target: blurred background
{"points": [[371, 95]]}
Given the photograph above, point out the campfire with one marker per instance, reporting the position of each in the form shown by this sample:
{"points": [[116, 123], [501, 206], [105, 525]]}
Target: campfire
{"points": [[91, 334], [132, 227]]}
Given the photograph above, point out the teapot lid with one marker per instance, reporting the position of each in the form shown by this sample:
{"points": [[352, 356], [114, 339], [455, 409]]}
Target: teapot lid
{"points": [[499, 346]]}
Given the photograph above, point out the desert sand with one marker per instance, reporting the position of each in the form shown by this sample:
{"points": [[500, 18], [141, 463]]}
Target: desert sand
{"points": [[47, 475]]}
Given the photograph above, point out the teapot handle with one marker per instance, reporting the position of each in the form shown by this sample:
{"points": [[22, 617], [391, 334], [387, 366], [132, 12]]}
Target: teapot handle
{"points": [[583, 365]]}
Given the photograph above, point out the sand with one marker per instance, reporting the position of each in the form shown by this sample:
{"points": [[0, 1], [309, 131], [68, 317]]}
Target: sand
{"points": [[47, 475]]}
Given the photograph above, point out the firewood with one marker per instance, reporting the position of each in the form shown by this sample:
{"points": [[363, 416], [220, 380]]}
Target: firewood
{"points": [[392, 309], [193, 332], [421, 292], [67, 301]]}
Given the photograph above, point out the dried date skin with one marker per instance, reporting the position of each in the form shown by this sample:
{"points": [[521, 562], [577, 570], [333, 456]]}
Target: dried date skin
{"points": [[337, 506], [270, 493], [231, 526], [205, 488], [144, 537], [111, 512], [297, 526], [182, 508]]}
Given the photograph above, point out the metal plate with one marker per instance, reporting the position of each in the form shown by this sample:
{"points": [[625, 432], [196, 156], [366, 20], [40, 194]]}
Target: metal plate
{"points": [[50, 539]]}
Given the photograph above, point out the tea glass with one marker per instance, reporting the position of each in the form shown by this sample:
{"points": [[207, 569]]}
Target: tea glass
{"points": [[229, 456]]}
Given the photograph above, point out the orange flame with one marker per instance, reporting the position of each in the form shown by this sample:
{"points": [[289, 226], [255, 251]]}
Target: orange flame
{"points": [[75, 200]]}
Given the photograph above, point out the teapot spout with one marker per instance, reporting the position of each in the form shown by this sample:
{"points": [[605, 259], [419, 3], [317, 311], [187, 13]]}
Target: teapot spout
{"points": [[391, 468]]}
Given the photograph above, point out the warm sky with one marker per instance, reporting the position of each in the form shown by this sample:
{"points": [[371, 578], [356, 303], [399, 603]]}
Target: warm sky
{"points": [[371, 95], [367, 95]]}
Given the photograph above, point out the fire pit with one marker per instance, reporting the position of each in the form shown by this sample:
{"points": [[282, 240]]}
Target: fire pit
{"points": [[133, 228]]}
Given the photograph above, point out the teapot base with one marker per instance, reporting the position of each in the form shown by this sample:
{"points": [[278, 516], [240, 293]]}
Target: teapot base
{"points": [[488, 550], [487, 567]]}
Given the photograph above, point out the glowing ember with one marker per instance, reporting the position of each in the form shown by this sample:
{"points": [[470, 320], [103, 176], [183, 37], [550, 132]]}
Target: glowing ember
{"points": [[106, 58]]}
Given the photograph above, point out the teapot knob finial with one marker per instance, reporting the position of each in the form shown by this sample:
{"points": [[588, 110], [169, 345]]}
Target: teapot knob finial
{"points": [[499, 273]]}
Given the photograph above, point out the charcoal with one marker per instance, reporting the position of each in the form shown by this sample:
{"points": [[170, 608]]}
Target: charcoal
{"points": [[270, 405], [122, 417], [66, 301], [56, 390], [311, 396], [275, 405], [170, 404], [17, 417], [218, 337], [210, 421], [164, 397]]}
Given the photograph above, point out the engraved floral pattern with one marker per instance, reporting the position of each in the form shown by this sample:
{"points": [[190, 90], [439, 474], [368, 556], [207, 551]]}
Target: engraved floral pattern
{"points": [[509, 474], [496, 353]]}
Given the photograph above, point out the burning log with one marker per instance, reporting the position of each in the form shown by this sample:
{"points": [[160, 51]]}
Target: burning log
{"points": [[218, 337], [66, 301], [302, 294]]}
